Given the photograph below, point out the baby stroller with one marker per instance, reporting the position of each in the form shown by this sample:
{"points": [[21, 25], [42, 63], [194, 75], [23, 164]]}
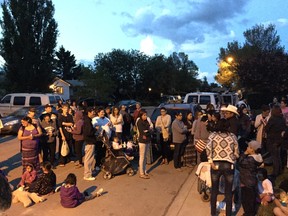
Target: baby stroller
{"points": [[115, 162], [205, 184]]}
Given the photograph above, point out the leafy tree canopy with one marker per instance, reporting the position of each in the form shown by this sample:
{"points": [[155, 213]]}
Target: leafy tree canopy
{"points": [[259, 65], [29, 34]]}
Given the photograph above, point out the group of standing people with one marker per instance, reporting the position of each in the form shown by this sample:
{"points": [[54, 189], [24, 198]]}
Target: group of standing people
{"points": [[75, 127], [235, 144]]}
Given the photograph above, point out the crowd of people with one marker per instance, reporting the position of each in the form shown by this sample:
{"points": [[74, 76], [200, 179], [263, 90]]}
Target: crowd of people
{"points": [[232, 139]]}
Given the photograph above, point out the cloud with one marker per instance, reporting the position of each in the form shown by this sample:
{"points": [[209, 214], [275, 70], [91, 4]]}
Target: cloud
{"points": [[147, 46], [188, 21], [283, 21]]}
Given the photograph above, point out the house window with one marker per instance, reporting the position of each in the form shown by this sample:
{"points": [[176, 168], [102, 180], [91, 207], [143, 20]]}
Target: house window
{"points": [[59, 90]]}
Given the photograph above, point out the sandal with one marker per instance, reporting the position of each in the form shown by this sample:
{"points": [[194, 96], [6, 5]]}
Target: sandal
{"points": [[144, 176]]}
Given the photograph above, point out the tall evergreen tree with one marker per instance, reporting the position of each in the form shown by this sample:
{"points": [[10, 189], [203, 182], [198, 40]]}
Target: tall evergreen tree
{"points": [[28, 42], [65, 64]]}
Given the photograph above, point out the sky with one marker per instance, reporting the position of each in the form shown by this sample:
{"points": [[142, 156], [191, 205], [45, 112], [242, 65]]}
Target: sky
{"points": [[197, 27]]}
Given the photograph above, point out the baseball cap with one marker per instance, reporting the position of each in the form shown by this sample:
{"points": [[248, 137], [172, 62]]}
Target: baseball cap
{"points": [[48, 105], [32, 109], [254, 144]]}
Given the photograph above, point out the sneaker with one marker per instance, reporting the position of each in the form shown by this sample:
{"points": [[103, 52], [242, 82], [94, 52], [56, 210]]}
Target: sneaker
{"points": [[89, 178], [61, 165], [42, 200], [57, 189], [96, 194], [130, 158], [179, 169], [99, 192], [77, 163]]}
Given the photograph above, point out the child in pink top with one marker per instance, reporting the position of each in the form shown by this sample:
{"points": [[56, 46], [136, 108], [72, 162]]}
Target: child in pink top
{"points": [[28, 176]]}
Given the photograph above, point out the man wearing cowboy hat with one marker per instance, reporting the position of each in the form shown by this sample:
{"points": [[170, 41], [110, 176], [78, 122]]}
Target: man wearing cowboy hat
{"points": [[230, 114]]}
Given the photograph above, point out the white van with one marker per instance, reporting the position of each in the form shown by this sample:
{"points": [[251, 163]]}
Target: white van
{"points": [[230, 98], [203, 98], [14, 101]]}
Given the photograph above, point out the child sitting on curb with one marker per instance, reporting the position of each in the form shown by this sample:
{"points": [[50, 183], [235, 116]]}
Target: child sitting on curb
{"points": [[70, 195], [28, 177], [265, 187]]}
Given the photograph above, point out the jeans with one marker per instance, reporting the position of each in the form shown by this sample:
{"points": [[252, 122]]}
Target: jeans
{"points": [[225, 169], [178, 151], [100, 153], [49, 150], [89, 159], [78, 150], [248, 200], [276, 157], [143, 148], [164, 147]]}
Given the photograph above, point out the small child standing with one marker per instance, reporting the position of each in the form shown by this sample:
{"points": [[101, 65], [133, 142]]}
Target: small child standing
{"points": [[248, 164], [70, 195], [28, 176], [265, 187]]}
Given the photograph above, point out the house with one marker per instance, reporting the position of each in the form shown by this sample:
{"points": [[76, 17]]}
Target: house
{"points": [[61, 87], [65, 88]]}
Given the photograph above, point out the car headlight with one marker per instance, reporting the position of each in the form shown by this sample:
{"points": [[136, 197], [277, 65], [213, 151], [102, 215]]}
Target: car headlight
{"points": [[11, 122]]}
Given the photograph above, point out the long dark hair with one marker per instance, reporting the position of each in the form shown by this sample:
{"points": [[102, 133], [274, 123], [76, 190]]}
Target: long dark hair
{"points": [[71, 179], [276, 111], [222, 126]]}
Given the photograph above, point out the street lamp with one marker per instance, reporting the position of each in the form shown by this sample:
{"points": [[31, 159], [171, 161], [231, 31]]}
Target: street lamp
{"points": [[230, 59]]}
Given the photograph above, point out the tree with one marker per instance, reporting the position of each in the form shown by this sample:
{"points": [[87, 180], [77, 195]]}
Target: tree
{"points": [[260, 64], [123, 69], [184, 74], [65, 65], [28, 44]]}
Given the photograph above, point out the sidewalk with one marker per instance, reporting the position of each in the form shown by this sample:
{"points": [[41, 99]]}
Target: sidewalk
{"points": [[188, 200]]}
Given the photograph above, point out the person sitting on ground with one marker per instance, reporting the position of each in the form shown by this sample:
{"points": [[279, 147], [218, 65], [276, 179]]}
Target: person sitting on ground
{"points": [[281, 208], [70, 194], [265, 187], [28, 177], [42, 186], [5, 193], [45, 182], [119, 148]]}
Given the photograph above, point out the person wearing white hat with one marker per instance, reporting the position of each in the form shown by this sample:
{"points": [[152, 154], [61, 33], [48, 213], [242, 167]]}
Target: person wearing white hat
{"points": [[230, 114]]}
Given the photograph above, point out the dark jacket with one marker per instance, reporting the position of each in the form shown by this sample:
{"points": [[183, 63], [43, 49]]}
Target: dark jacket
{"points": [[77, 131], [44, 184], [144, 131], [89, 131], [67, 119], [70, 196], [248, 165], [48, 127], [274, 128], [234, 125]]}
